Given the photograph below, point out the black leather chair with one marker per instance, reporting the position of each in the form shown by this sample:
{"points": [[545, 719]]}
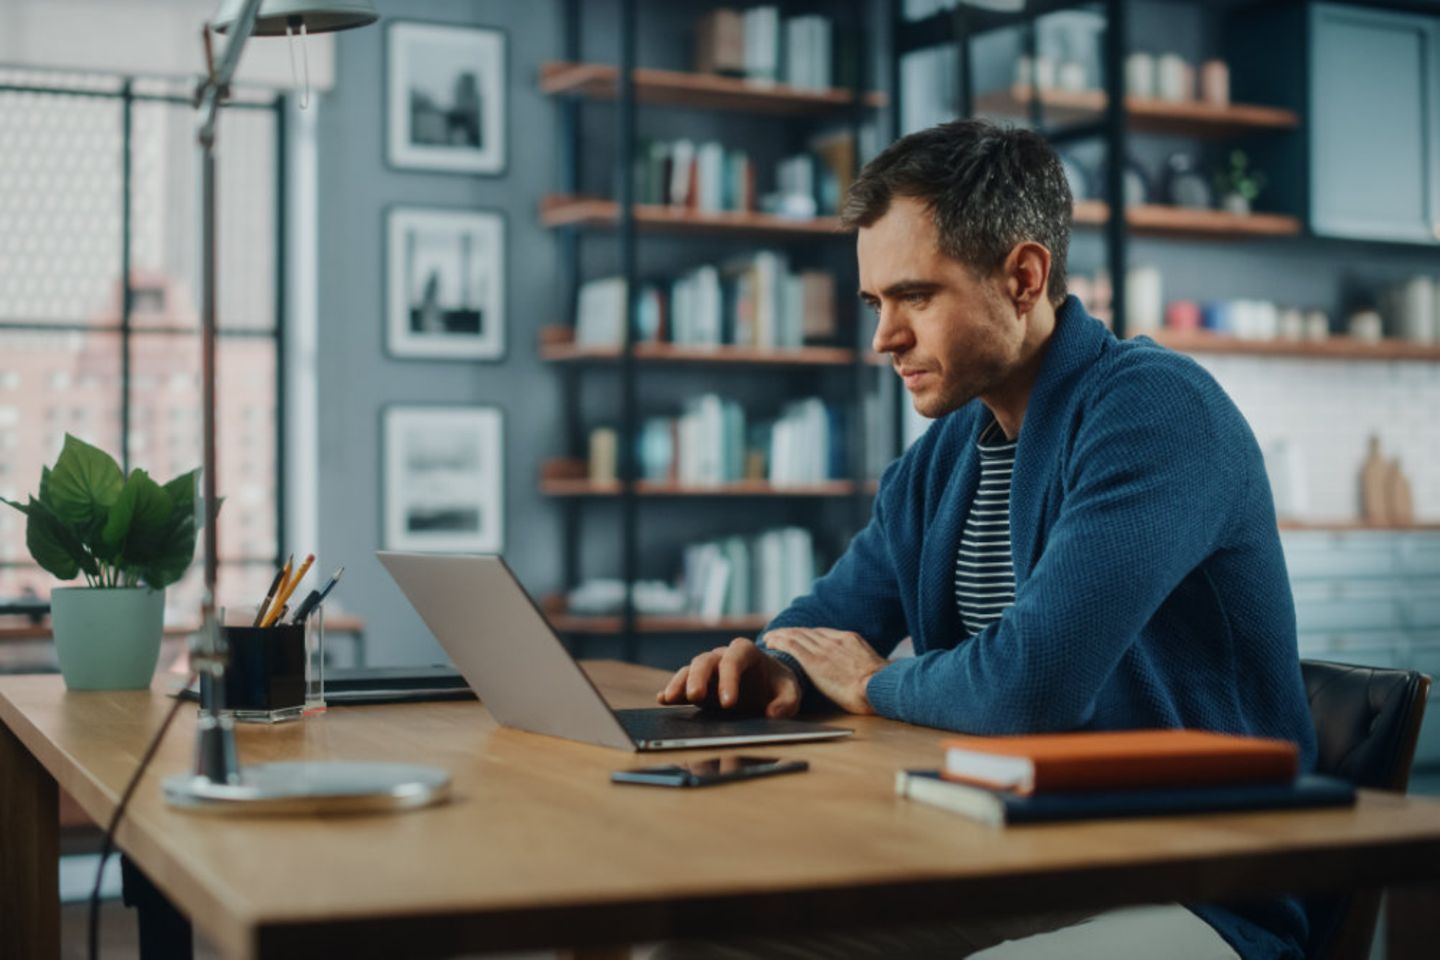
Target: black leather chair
{"points": [[1367, 721]]}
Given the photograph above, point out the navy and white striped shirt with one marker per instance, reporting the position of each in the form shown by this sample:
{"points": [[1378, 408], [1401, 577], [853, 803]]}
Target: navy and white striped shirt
{"points": [[984, 572]]}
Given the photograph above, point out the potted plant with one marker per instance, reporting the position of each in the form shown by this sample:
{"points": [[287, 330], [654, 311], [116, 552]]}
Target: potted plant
{"points": [[131, 538], [1237, 184]]}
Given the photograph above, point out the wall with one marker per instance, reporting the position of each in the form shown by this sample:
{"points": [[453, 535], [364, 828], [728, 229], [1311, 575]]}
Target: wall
{"points": [[356, 380]]}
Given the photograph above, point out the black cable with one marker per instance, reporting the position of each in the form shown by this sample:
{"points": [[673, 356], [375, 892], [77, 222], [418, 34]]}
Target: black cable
{"points": [[109, 845]]}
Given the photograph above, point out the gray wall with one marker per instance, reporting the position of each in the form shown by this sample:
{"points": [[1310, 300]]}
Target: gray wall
{"points": [[356, 378]]}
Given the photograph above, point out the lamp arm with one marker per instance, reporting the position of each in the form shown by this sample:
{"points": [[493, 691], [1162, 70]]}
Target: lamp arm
{"points": [[217, 79]]}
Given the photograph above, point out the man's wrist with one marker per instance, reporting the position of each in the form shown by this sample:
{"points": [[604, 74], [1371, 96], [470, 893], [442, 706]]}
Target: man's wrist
{"points": [[793, 665]]}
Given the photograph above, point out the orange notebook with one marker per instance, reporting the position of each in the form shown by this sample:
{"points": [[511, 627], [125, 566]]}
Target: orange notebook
{"points": [[1117, 760]]}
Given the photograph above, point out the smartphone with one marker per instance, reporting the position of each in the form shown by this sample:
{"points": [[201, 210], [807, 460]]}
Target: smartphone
{"points": [[703, 773]]}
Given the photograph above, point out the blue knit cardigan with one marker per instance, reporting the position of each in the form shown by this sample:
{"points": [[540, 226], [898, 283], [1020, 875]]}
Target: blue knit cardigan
{"points": [[1150, 588]]}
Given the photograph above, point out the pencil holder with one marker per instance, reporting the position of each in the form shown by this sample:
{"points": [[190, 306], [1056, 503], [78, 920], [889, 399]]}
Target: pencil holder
{"points": [[265, 673], [315, 661]]}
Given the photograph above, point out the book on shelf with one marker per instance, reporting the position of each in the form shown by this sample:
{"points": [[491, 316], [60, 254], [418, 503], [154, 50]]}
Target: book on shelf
{"points": [[711, 442], [1117, 760], [705, 177], [739, 576], [753, 301], [1002, 807], [761, 47]]}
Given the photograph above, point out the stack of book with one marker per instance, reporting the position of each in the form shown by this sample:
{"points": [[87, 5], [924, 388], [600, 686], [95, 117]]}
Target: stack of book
{"points": [[705, 176], [711, 443], [739, 576], [757, 45], [1075, 776], [754, 301]]}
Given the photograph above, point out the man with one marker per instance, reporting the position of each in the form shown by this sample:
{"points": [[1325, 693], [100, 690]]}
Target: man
{"points": [[1090, 546]]}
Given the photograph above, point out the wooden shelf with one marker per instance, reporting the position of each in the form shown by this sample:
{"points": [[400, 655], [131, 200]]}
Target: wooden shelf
{"points": [[742, 488], [565, 622], [723, 355], [1356, 526], [672, 88], [1190, 118], [567, 477], [1334, 348], [1159, 220], [597, 212]]}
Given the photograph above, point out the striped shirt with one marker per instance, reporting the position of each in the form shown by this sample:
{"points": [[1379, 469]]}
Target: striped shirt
{"points": [[984, 573]]}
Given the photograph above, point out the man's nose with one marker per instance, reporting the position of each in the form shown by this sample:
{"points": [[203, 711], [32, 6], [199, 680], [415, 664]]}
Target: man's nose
{"points": [[892, 335]]}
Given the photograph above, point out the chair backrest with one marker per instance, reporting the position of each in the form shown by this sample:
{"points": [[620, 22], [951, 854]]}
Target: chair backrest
{"points": [[1367, 721]]}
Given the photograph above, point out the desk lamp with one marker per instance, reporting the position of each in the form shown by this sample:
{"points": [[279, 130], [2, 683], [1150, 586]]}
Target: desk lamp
{"points": [[217, 783]]}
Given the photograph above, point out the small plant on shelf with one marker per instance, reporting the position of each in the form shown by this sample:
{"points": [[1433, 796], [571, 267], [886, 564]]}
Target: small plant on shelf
{"points": [[1237, 184]]}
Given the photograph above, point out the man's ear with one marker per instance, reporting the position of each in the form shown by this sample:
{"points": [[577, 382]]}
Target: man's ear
{"points": [[1027, 274]]}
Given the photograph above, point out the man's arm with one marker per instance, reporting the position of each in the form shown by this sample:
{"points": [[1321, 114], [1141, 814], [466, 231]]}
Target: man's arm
{"points": [[860, 594], [1150, 489]]}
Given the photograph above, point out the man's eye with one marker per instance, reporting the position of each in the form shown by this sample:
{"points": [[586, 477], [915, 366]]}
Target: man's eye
{"points": [[873, 307], [917, 299]]}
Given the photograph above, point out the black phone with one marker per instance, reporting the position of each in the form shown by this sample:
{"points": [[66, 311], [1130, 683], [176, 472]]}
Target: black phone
{"points": [[703, 773]]}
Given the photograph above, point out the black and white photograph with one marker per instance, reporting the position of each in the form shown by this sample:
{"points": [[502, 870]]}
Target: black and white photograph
{"points": [[446, 98], [446, 284], [444, 471]]}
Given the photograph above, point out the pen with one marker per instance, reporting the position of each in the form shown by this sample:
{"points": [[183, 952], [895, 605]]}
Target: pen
{"points": [[286, 591], [274, 586], [269, 595], [316, 597]]}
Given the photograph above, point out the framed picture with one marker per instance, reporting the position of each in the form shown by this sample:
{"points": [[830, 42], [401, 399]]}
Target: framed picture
{"points": [[446, 96], [446, 284], [443, 473]]}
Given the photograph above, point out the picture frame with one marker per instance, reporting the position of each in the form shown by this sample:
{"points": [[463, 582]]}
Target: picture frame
{"points": [[442, 484], [445, 96], [445, 283]]}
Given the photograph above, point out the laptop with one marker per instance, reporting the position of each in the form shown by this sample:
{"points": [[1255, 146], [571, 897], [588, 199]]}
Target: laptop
{"points": [[502, 644]]}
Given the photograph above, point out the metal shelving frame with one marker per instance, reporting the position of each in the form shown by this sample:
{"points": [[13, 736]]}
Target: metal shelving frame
{"points": [[626, 234]]}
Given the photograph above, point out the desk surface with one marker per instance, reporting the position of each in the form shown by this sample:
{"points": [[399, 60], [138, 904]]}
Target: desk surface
{"points": [[538, 849]]}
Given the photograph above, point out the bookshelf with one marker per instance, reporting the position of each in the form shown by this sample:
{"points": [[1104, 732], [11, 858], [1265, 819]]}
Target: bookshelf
{"points": [[616, 365], [599, 213], [557, 345], [1143, 114], [1159, 220], [1333, 348], [695, 91]]}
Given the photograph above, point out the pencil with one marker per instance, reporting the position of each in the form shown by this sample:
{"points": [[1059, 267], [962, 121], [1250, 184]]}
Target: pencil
{"points": [[275, 586], [285, 592]]}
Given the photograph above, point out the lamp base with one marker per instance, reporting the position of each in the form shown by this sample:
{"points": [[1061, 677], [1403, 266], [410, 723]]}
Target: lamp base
{"points": [[324, 788]]}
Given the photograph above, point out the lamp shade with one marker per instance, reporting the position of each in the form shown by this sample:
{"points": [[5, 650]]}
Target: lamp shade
{"points": [[318, 16]]}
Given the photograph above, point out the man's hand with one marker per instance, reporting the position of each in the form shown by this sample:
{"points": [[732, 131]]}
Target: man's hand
{"points": [[740, 677], [838, 662]]}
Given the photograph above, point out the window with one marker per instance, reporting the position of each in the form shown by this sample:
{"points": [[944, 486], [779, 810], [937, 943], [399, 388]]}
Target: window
{"points": [[128, 380]]}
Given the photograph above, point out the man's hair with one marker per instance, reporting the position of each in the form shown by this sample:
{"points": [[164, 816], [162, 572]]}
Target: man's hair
{"points": [[987, 187]]}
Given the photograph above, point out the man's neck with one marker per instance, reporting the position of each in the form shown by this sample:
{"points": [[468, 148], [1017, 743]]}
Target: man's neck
{"points": [[1010, 398]]}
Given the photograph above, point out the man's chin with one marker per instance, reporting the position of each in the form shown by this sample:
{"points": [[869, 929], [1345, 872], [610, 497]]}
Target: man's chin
{"points": [[934, 407]]}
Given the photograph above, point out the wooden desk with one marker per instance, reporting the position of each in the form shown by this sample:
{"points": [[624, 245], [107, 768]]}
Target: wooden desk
{"points": [[539, 850]]}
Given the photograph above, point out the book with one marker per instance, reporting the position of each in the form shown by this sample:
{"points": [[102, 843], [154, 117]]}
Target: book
{"points": [[1117, 759], [1001, 807]]}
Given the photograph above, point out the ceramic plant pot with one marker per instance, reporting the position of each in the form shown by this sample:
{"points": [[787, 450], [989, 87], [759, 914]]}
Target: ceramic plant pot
{"points": [[107, 639]]}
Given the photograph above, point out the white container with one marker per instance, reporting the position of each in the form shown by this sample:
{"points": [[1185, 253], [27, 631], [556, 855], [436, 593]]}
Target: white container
{"points": [[1215, 83], [1415, 310], [1317, 325], [1140, 75], [1073, 76], [1174, 78], [1144, 300], [1291, 324], [1364, 325]]}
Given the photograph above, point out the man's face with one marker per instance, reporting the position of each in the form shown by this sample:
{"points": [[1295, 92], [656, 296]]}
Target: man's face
{"points": [[951, 335]]}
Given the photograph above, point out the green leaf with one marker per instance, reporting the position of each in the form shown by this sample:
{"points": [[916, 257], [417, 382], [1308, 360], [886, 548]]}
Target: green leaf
{"points": [[139, 520], [17, 505], [55, 545], [45, 486], [173, 552], [83, 487]]}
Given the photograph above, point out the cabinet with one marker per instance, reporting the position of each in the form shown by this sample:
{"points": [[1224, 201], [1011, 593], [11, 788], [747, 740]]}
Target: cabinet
{"points": [[1375, 124]]}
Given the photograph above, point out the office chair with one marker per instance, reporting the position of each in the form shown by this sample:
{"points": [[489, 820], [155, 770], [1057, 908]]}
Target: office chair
{"points": [[1367, 721]]}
